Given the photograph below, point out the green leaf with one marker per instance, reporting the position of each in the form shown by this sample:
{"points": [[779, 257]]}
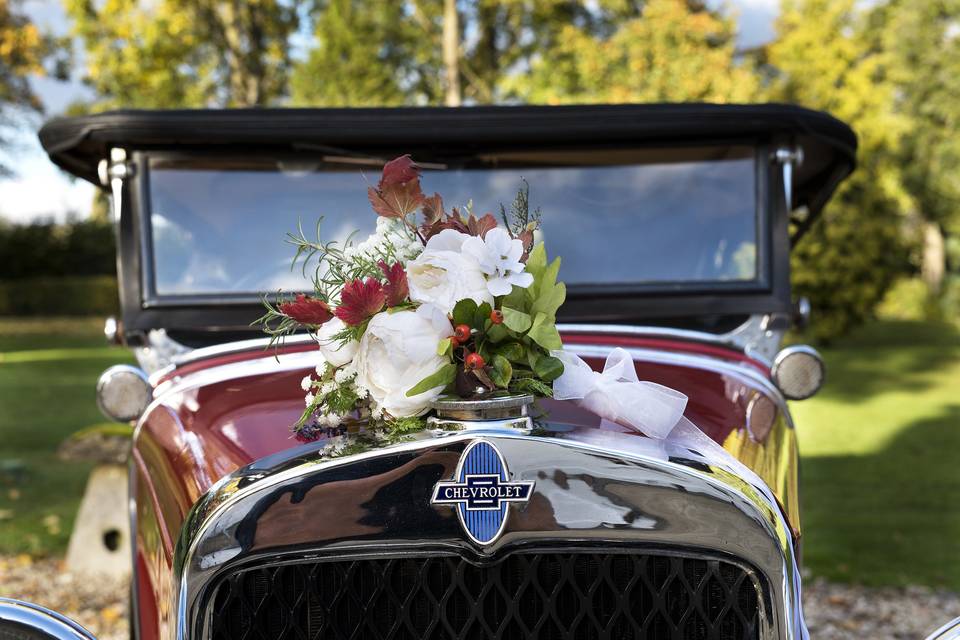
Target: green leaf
{"points": [[501, 371], [440, 378], [512, 351], [482, 315], [548, 368], [518, 299], [497, 332], [550, 300], [445, 347], [544, 332], [464, 312], [537, 261], [516, 320]]}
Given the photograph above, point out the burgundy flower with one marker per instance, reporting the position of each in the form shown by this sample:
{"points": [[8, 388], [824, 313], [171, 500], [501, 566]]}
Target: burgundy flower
{"points": [[360, 300], [304, 310], [398, 193], [395, 288]]}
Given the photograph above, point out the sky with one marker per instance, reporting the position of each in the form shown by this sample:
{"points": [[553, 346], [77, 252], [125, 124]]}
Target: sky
{"points": [[40, 190]]}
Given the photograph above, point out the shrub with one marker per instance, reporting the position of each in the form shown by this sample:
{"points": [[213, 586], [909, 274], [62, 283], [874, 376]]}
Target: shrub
{"points": [[63, 296]]}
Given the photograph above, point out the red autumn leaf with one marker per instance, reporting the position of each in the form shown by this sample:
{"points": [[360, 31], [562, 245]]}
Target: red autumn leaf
{"points": [[396, 288], [304, 310], [360, 300], [471, 225], [398, 193], [526, 237], [480, 226], [432, 210], [398, 171]]}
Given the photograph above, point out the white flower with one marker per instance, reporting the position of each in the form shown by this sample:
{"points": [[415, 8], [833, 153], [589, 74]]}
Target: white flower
{"points": [[499, 258], [327, 387], [306, 383], [443, 275], [397, 351], [308, 399], [331, 349], [343, 374], [392, 234]]}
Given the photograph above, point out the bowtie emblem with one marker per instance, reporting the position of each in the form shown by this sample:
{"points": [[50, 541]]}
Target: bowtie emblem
{"points": [[481, 492]]}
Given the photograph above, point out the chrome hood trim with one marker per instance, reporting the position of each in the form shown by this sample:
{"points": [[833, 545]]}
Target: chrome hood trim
{"points": [[162, 355], [592, 486]]}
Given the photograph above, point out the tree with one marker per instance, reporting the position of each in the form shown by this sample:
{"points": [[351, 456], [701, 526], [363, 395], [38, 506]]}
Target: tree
{"points": [[22, 52], [368, 53], [923, 39], [671, 51], [825, 57], [184, 53], [490, 51]]}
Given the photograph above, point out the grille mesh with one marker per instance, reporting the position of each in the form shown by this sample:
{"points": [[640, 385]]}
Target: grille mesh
{"points": [[549, 596]]}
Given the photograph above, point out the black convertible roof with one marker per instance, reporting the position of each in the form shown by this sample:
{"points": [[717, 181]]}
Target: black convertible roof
{"points": [[78, 144]]}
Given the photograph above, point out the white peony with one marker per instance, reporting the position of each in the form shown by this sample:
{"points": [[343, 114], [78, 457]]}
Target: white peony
{"points": [[499, 258], [397, 351], [443, 274], [331, 349]]}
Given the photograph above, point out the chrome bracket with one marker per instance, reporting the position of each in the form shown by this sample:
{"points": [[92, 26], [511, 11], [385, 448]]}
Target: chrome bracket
{"points": [[788, 158], [112, 172]]}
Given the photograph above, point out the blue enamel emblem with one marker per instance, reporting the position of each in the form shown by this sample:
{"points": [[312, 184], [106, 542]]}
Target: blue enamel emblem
{"points": [[481, 492]]}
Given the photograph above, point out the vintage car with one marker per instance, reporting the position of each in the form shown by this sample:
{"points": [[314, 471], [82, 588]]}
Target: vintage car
{"points": [[679, 252]]}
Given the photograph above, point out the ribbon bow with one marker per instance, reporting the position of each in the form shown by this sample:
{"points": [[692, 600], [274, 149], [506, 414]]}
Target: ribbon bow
{"points": [[618, 395]]}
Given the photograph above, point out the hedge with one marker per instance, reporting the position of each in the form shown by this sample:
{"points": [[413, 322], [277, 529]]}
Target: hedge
{"points": [[59, 296]]}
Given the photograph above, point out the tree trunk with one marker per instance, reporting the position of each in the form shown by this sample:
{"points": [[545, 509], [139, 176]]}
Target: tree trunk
{"points": [[933, 267], [451, 52]]}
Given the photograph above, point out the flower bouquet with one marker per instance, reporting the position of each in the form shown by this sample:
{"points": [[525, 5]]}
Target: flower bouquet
{"points": [[434, 302]]}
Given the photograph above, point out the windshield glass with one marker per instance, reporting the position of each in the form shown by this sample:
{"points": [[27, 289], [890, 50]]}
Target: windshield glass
{"points": [[218, 226]]}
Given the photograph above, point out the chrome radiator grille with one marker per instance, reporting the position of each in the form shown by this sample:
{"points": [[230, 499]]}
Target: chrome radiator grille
{"points": [[544, 596]]}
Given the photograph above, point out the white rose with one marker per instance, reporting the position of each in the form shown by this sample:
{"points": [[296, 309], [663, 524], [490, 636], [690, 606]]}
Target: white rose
{"points": [[397, 351], [331, 350], [443, 275]]}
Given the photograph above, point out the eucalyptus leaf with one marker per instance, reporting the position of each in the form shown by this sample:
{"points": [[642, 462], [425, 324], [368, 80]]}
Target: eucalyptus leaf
{"points": [[482, 316], [440, 378]]}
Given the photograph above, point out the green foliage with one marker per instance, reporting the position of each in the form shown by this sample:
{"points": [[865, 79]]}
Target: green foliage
{"points": [[24, 51], [825, 59], [441, 378], [184, 53], [61, 296], [667, 50], [83, 248], [46, 394]]}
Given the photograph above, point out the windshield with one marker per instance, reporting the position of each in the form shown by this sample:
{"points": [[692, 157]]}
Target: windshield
{"points": [[218, 226]]}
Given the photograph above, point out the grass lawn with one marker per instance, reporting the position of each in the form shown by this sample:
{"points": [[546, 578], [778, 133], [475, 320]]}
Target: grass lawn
{"points": [[880, 447], [48, 370]]}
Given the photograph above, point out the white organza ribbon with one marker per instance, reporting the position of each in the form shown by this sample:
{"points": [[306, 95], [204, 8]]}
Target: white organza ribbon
{"points": [[618, 395]]}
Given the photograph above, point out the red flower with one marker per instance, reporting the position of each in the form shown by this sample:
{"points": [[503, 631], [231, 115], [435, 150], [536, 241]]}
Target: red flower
{"points": [[396, 288], [398, 193], [306, 310], [360, 300]]}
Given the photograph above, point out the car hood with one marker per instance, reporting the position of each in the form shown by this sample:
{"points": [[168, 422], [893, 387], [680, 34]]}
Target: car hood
{"points": [[216, 415]]}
